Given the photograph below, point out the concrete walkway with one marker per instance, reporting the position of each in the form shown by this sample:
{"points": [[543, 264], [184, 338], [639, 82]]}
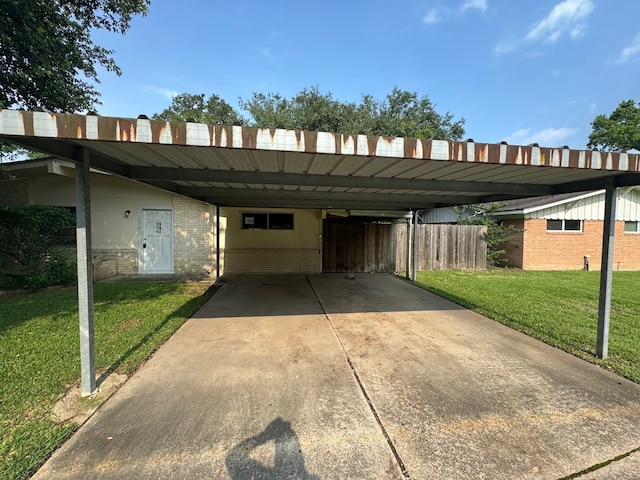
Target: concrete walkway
{"points": [[329, 378]]}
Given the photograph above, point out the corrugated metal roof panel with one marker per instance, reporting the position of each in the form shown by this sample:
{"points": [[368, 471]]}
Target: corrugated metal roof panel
{"points": [[172, 154]]}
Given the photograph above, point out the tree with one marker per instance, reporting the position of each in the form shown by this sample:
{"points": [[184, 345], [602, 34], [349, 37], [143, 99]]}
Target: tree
{"points": [[618, 131], [47, 57], [401, 113], [497, 234], [195, 108]]}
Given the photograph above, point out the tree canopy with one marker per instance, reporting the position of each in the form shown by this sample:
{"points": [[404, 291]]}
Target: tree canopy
{"points": [[618, 131], [47, 56], [401, 113], [188, 107]]}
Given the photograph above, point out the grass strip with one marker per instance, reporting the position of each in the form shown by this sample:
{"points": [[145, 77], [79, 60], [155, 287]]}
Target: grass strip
{"points": [[40, 354], [559, 308]]}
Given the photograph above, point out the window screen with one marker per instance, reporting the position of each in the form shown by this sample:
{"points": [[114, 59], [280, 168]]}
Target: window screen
{"points": [[267, 221], [573, 225], [254, 220], [631, 227], [564, 225], [281, 221], [554, 225]]}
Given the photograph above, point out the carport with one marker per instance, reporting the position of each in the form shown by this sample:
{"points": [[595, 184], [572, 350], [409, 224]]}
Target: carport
{"points": [[253, 167]]}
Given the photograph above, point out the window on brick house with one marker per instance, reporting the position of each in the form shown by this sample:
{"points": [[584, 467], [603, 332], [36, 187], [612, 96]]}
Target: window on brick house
{"points": [[267, 221], [564, 225], [631, 227]]}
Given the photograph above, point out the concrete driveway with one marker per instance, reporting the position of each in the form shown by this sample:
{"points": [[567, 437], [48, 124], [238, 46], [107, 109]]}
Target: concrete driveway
{"points": [[323, 377]]}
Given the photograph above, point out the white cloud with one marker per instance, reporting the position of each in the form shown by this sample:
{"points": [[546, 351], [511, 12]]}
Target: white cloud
{"points": [[477, 4], [165, 92], [566, 17], [433, 16], [631, 51], [505, 47], [436, 15], [548, 137]]}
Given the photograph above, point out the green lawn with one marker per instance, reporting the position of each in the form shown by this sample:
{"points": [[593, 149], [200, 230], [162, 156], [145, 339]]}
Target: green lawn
{"points": [[40, 358], [559, 308]]}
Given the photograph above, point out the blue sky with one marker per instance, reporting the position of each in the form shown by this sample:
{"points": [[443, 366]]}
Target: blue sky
{"points": [[523, 71]]}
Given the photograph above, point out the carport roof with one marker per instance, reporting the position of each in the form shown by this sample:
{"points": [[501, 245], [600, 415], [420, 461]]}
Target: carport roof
{"points": [[261, 167]]}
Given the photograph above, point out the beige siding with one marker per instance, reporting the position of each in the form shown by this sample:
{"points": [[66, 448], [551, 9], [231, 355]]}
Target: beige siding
{"points": [[115, 235], [274, 251], [111, 197]]}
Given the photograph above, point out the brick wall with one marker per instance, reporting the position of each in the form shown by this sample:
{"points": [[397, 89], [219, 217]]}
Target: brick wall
{"points": [[109, 263], [270, 260], [194, 237], [514, 251], [565, 250]]}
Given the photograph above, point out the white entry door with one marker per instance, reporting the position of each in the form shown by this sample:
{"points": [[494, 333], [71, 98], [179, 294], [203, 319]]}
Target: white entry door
{"points": [[156, 241]]}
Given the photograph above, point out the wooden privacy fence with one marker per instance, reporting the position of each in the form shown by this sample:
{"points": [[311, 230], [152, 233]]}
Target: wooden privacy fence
{"points": [[358, 247], [444, 247]]}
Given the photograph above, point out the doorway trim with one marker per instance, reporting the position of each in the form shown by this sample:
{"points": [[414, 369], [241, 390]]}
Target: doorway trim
{"points": [[141, 240]]}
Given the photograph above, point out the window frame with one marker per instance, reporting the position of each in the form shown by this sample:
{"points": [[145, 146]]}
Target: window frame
{"points": [[632, 232], [563, 228], [267, 222]]}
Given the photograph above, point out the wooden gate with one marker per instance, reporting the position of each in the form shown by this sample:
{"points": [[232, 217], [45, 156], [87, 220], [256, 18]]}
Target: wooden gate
{"points": [[354, 246]]}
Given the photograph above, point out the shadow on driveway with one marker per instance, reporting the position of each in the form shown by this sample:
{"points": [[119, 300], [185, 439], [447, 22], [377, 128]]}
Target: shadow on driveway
{"points": [[288, 461]]}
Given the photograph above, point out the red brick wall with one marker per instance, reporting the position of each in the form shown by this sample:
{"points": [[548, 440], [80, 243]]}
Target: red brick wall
{"points": [[513, 249], [565, 250]]}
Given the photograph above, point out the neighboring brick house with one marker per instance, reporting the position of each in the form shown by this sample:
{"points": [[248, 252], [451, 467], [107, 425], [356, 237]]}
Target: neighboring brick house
{"points": [[140, 229], [556, 232]]}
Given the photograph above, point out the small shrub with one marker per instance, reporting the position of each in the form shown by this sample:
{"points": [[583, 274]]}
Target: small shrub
{"points": [[30, 236], [58, 269], [61, 269]]}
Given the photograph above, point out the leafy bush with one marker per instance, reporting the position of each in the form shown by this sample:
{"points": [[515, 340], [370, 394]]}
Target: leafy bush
{"points": [[31, 236], [58, 269], [498, 234]]}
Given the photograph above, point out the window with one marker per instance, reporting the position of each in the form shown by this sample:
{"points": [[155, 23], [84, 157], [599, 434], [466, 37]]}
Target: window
{"points": [[268, 221], [254, 220], [564, 225], [281, 221], [631, 227]]}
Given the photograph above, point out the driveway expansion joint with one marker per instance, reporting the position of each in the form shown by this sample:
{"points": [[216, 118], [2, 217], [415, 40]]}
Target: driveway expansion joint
{"points": [[600, 466], [401, 464]]}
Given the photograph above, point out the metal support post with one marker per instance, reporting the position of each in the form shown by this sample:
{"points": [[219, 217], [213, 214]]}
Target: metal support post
{"points": [[606, 269], [414, 262], [217, 243], [85, 273], [407, 261]]}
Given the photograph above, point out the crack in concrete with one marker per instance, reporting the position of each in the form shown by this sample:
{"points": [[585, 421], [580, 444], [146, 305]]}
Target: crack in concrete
{"points": [[401, 464], [599, 466]]}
